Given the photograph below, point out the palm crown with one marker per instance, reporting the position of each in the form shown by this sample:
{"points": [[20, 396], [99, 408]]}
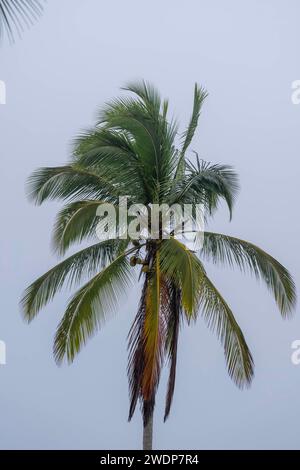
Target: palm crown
{"points": [[131, 151]]}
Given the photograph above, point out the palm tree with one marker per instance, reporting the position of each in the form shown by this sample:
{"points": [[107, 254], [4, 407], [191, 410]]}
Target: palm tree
{"points": [[131, 151], [17, 14]]}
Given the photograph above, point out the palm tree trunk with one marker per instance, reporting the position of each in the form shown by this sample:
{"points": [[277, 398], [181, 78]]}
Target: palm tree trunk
{"points": [[148, 434]]}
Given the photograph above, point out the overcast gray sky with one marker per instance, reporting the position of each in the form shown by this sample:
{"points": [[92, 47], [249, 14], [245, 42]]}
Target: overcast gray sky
{"points": [[73, 60]]}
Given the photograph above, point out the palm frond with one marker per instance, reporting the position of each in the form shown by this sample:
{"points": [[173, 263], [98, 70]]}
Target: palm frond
{"points": [[148, 94], [112, 153], [198, 293], [205, 183], [130, 115], [15, 15], [165, 129], [232, 251], [179, 265], [173, 317], [220, 319], [152, 136], [71, 270], [69, 182], [100, 145], [200, 94], [89, 307], [135, 365], [75, 222]]}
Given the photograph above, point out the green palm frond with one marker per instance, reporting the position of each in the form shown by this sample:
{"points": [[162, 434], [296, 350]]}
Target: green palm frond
{"points": [[130, 115], [165, 129], [148, 94], [79, 221], [90, 306], [69, 182], [96, 146], [75, 222], [200, 94], [220, 319], [152, 136], [179, 265], [232, 251], [15, 15], [72, 270], [206, 184], [198, 293], [112, 153]]}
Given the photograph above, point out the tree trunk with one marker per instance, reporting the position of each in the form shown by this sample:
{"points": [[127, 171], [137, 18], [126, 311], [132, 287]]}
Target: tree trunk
{"points": [[148, 434]]}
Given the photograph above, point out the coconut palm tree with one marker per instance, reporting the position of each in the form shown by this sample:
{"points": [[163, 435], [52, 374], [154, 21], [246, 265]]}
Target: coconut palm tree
{"points": [[131, 151], [17, 14]]}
